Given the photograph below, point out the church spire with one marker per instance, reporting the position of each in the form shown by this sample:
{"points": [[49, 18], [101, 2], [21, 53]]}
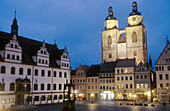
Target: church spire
{"points": [[134, 9], [110, 14], [14, 26]]}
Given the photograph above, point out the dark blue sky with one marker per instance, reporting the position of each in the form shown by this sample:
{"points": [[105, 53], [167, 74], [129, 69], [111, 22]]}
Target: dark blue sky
{"points": [[78, 23]]}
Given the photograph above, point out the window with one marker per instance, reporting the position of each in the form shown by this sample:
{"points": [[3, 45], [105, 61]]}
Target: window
{"points": [[42, 73], [118, 78], [55, 74], [3, 69], [46, 61], [95, 87], [110, 55], [159, 68], [60, 86], [35, 87], [126, 78], [65, 75], [16, 46], [55, 97], [117, 70], [36, 72], [43, 98], [131, 86], [12, 87], [28, 71], [162, 68], [121, 70], [13, 56], [36, 98], [118, 86], [48, 86], [12, 70], [12, 45], [100, 81], [17, 57], [91, 80], [130, 77], [113, 81], [137, 86], [167, 76], [42, 86], [161, 86], [88, 87], [167, 85], [60, 74], [92, 87], [8, 56], [156, 68], [109, 40], [134, 37], [160, 76], [54, 87], [100, 87], [146, 85], [141, 77], [39, 60], [168, 68], [142, 86], [146, 77], [103, 81], [60, 96], [122, 78], [21, 71], [49, 73], [103, 87], [2, 86], [88, 80], [126, 86], [137, 77], [106, 81]]}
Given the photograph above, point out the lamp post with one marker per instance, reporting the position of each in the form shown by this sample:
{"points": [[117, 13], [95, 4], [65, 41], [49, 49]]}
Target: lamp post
{"points": [[92, 95]]}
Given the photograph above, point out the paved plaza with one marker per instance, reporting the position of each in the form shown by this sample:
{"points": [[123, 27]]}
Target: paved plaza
{"points": [[96, 106]]}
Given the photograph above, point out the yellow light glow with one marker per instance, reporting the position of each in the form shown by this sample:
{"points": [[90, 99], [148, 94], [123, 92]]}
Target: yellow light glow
{"points": [[149, 93], [135, 95], [153, 91], [92, 95], [75, 91], [145, 93]]}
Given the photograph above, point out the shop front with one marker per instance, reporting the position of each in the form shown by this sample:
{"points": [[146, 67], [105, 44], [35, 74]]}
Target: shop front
{"points": [[125, 96], [107, 95]]}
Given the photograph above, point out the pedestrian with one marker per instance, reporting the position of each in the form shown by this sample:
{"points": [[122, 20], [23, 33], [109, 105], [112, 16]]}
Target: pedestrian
{"points": [[164, 104]]}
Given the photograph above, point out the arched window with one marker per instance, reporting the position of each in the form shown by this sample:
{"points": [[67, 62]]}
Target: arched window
{"points": [[20, 71], [42, 86], [54, 87], [109, 40], [28, 71], [146, 77], [42, 73], [137, 77], [65, 75], [110, 55], [12, 87], [49, 73], [12, 70], [35, 86], [60, 86], [141, 77], [3, 69], [134, 37], [48, 86], [36, 72], [55, 74], [60, 74]]}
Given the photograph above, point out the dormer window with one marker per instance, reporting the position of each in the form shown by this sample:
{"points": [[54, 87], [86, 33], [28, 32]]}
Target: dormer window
{"points": [[46, 62], [43, 61], [16, 46], [41, 51], [63, 56], [39, 60], [44, 52]]}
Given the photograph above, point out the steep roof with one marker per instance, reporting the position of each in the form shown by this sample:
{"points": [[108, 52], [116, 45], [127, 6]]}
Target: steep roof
{"points": [[108, 67], [94, 70], [30, 48], [126, 63]]}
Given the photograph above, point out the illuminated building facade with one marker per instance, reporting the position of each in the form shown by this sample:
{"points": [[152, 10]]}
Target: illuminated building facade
{"points": [[162, 67], [79, 81], [127, 43], [31, 72]]}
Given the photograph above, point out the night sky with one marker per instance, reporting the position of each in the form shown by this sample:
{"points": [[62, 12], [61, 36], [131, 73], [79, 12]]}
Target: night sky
{"points": [[77, 24]]}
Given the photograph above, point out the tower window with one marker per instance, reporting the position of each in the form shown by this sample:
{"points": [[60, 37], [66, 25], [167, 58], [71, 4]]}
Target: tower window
{"points": [[110, 55], [134, 37], [135, 54], [109, 40]]}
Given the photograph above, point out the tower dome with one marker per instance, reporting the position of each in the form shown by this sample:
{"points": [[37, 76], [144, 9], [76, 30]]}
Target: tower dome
{"points": [[110, 14], [134, 9]]}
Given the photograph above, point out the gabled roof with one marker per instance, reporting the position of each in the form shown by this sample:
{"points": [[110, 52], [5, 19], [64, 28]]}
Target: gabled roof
{"points": [[126, 63], [108, 67], [30, 48], [162, 52]]}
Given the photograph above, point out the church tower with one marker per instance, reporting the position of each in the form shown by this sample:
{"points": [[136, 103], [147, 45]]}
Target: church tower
{"points": [[109, 37], [136, 44]]}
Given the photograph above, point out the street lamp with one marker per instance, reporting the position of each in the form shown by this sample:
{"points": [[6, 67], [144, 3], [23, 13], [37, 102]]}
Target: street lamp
{"points": [[92, 95]]}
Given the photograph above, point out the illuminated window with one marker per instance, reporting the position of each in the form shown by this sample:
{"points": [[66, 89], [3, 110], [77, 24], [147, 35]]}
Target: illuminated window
{"points": [[146, 85], [142, 86], [137, 86], [167, 85], [12, 100], [126, 71], [4, 101], [8, 101]]}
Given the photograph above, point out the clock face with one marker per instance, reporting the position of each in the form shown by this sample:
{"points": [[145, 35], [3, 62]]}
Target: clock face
{"points": [[134, 18]]}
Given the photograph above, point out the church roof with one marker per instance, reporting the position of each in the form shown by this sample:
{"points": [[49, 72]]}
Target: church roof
{"points": [[30, 48]]}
